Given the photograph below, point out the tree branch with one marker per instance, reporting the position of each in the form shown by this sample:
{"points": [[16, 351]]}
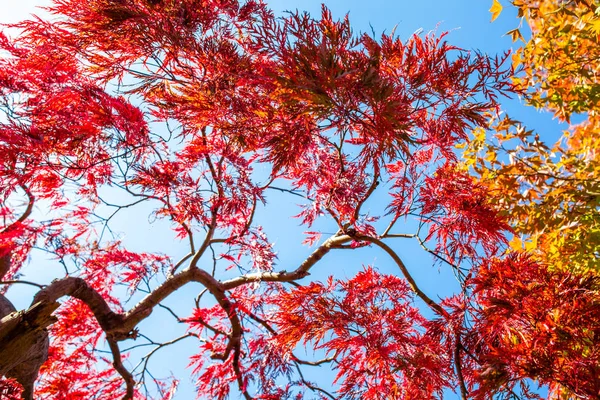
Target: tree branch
{"points": [[145, 360], [313, 363], [432, 304], [79, 289], [368, 194], [5, 259], [21, 281], [24, 342], [17, 330], [4, 265], [464, 394], [27, 212], [120, 368], [119, 327], [399, 235], [144, 308], [284, 276]]}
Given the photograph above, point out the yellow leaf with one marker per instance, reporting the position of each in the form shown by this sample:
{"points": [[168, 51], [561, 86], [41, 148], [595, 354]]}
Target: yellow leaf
{"points": [[531, 244], [479, 134], [491, 156], [496, 9], [595, 25], [515, 34]]}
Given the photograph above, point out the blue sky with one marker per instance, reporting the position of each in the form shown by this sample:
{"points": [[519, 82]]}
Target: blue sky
{"points": [[470, 27]]}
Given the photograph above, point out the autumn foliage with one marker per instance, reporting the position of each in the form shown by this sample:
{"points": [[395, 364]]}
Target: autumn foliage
{"points": [[197, 113], [550, 186], [549, 194]]}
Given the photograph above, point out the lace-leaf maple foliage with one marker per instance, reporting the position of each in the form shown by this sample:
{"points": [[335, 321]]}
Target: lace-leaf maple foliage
{"points": [[179, 107]]}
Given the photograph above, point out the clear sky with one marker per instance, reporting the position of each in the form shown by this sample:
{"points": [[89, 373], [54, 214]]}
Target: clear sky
{"points": [[470, 26]]}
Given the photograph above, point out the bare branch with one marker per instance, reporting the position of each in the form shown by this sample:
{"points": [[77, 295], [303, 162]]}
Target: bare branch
{"points": [[464, 394], [291, 191], [435, 254], [4, 264], [170, 311], [399, 235], [390, 226], [310, 385], [180, 262], [27, 212], [24, 342], [12, 282], [298, 273], [313, 363], [120, 368], [368, 194], [159, 346], [18, 329]]}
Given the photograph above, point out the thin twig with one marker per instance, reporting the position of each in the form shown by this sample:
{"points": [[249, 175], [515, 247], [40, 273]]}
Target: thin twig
{"points": [[120, 368], [310, 385], [10, 282], [368, 194], [432, 304], [399, 235], [147, 357], [313, 363]]}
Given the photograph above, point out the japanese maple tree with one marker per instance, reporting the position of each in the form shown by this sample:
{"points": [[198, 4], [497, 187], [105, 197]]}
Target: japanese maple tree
{"points": [[196, 112]]}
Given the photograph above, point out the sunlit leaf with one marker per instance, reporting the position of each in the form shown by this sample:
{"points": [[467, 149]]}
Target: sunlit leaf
{"points": [[496, 9]]}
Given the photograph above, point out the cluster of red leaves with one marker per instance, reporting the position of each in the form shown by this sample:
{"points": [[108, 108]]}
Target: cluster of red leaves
{"points": [[58, 126], [367, 91], [460, 215], [58, 115], [263, 367], [329, 113], [339, 187], [407, 177], [74, 369], [535, 323], [105, 264], [368, 324], [10, 389], [299, 89], [260, 360], [16, 242]]}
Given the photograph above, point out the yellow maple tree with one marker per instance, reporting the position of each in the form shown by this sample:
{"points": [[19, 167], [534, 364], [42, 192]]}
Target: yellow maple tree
{"points": [[551, 192]]}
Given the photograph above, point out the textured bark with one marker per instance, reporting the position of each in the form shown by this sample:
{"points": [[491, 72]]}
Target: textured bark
{"points": [[6, 307], [79, 289], [4, 265], [24, 341]]}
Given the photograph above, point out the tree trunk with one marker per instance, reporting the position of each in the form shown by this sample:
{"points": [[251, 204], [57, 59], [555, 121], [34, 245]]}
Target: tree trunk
{"points": [[24, 341]]}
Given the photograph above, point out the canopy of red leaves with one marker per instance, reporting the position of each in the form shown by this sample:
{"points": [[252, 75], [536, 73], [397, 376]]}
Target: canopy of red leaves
{"points": [[248, 104]]}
